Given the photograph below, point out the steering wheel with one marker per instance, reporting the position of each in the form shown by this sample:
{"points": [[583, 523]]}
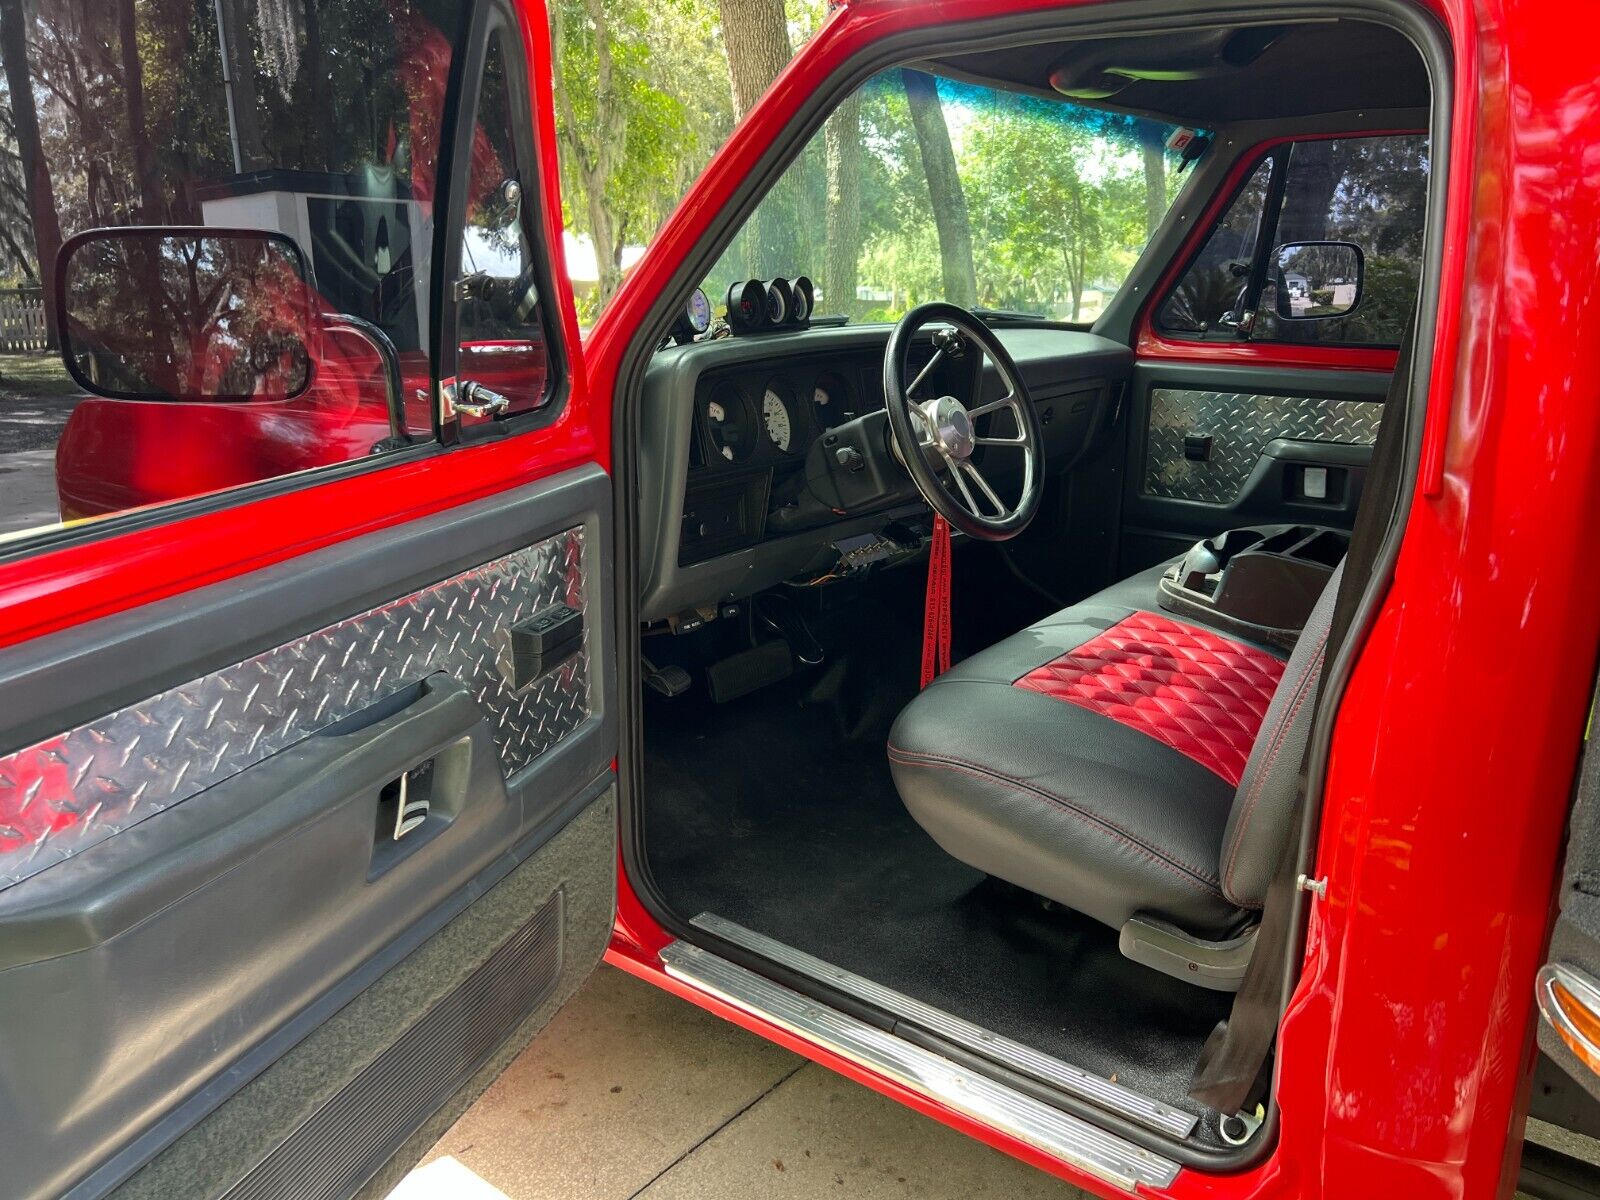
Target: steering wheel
{"points": [[936, 436]]}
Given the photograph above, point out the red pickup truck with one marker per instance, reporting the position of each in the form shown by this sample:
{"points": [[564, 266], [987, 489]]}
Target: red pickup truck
{"points": [[1098, 644]]}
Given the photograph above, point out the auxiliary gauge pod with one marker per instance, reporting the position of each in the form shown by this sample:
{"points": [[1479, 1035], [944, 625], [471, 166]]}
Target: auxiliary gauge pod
{"points": [[755, 306]]}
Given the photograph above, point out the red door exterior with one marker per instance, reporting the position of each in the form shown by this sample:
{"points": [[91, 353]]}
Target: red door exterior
{"points": [[1405, 1059]]}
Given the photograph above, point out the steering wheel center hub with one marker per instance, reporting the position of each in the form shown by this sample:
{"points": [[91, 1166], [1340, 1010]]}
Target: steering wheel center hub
{"points": [[952, 427]]}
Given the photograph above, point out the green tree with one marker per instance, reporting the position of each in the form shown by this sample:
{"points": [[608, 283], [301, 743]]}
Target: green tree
{"points": [[1059, 204], [636, 118]]}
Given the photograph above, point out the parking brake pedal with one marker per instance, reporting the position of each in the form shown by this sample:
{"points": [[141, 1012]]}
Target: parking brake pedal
{"points": [[669, 681]]}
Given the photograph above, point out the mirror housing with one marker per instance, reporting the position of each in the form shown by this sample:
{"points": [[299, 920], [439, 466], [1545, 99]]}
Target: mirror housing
{"points": [[185, 314], [1315, 281]]}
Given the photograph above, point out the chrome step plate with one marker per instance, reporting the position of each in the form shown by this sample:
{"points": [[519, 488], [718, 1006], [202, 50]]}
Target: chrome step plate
{"points": [[1075, 1081], [1047, 1129]]}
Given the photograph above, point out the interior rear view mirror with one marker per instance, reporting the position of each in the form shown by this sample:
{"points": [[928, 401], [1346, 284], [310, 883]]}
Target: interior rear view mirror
{"points": [[1317, 280], [185, 314]]}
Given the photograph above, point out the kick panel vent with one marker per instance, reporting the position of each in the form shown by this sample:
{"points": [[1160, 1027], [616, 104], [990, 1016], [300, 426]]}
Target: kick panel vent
{"points": [[340, 1147]]}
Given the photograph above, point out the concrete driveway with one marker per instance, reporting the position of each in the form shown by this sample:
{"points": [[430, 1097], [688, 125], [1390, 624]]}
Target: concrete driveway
{"points": [[36, 398], [634, 1093]]}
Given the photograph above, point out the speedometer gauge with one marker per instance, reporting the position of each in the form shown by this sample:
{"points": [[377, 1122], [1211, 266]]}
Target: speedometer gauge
{"points": [[775, 415]]}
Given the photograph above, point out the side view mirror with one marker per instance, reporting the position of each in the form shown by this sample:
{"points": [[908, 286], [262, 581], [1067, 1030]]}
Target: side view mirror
{"points": [[1317, 280], [185, 314]]}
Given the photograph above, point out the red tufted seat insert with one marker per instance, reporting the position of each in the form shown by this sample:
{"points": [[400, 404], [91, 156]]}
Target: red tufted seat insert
{"points": [[1195, 690]]}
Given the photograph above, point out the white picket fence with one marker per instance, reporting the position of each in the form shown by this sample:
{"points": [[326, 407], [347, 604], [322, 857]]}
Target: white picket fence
{"points": [[22, 324]]}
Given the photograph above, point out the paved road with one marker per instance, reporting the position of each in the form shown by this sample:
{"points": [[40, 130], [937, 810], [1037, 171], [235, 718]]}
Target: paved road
{"points": [[29, 428], [632, 1092]]}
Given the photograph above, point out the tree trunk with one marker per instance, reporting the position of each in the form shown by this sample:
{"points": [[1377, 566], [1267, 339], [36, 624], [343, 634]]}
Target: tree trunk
{"points": [[151, 201], [30, 152], [1155, 181], [239, 57], [842, 137], [607, 252], [756, 35], [944, 189], [1080, 251], [316, 69]]}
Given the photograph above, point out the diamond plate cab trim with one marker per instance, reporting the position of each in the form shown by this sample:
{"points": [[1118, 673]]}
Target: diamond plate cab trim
{"points": [[1240, 427], [63, 795]]}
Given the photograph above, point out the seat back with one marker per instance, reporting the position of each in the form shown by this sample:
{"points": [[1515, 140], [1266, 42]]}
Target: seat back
{"points": [[1263, 806]]}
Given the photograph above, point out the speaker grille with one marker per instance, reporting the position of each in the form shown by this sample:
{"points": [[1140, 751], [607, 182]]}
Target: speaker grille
{"points": [[348, 1139]]}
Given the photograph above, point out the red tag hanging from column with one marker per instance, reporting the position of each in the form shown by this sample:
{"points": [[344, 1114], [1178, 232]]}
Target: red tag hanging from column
{"points": [[936, 610]]}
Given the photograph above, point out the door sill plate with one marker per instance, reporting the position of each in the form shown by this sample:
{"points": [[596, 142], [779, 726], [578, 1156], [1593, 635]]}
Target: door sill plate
{"points": [[1014, 1055], [1047, 1129]]}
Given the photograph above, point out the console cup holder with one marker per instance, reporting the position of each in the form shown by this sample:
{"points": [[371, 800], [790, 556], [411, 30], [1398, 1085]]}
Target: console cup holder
{"points": [[1260, 581]]}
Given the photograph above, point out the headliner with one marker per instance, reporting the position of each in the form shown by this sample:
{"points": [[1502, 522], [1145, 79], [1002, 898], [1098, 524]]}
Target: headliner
{"points": [[1305, 70]]}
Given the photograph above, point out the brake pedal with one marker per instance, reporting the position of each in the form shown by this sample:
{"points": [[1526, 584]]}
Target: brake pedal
{"points": [[748, 671]]}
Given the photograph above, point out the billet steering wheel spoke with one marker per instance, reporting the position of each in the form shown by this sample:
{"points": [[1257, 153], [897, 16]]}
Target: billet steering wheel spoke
{"points": [[966, 492], [922, 375], [1000, 508], [1009, 400]]}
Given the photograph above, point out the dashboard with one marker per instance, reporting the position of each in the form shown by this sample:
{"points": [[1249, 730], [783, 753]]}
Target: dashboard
{"points": [[754, 426], [727, 426]]}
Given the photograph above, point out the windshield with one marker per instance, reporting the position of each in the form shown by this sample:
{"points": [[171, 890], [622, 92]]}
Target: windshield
{"points": [[923, 188]]}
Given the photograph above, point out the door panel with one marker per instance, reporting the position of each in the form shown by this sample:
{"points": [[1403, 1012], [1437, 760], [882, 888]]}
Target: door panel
{"points": [[1214, 447], [191, 880]]}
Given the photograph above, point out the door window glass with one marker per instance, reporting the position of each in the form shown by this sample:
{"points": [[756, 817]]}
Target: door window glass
{"points": [[499, 324], [1210, 296], [1370, 191], [319, 122]]}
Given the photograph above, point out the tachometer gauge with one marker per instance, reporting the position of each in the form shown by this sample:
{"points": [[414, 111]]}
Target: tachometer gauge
{"points": [[728, 423], [775, 415]]}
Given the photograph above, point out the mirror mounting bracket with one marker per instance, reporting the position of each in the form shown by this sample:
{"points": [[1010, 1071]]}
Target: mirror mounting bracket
{"points": [[393, 383]]}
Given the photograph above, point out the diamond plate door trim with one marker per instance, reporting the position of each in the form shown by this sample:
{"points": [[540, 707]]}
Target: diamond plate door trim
{"points": [[1240, 426], [60, 796]]}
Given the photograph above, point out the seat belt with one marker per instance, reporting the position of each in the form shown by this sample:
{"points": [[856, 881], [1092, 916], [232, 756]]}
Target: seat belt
{"points": [[1234, 1070], [936, 607]]}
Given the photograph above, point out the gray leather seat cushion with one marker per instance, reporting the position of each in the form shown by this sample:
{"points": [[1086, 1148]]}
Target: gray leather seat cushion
{"points": [[1061, 799]]}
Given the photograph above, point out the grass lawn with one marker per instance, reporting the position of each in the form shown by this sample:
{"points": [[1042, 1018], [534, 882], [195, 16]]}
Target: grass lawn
{"points": [[33, 375]]}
